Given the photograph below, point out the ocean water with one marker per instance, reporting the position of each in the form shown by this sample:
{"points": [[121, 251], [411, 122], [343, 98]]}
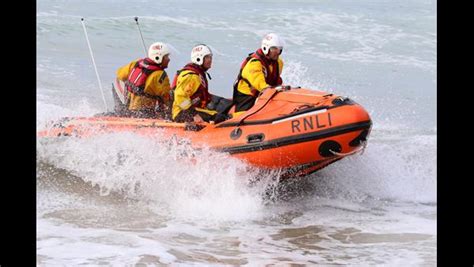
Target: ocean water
{"points": [[124, 200]]}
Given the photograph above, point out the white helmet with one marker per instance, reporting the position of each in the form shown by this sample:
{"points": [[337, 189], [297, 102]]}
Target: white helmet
{"points": [[157, 51], [272, 40], [199, 52]]}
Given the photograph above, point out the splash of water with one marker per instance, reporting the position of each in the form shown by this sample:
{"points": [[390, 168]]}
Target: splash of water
{"points": [[178, 180]]}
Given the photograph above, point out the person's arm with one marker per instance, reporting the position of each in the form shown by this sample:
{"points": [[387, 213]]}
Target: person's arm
{"points": [[186, 86], [158, 84], [253, 72], [124, 71], [280, 68]]}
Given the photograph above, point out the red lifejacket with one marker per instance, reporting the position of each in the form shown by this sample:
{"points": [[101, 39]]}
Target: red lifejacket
{"points": [[201, 97], [136, 80], [272, 77]]}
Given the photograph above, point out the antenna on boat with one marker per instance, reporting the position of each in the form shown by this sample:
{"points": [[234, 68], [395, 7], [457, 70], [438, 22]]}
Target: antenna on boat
{"points": [[93, 62], [143, 41]]}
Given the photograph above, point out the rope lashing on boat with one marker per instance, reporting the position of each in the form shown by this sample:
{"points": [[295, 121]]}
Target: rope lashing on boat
{"points": [[277, 90], [359, 149]]}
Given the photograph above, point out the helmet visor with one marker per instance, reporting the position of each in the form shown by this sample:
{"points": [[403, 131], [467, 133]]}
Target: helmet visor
{"points": [[279, 48]]}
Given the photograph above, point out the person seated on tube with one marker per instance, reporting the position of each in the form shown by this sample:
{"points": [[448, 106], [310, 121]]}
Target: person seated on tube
{"points": [[260, 70], [147, 84], [192, 101]]}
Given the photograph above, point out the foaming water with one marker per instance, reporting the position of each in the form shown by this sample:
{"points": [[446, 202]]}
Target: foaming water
{"points": [[175, 178], [172, 204], [391, 167], [296, 73]]}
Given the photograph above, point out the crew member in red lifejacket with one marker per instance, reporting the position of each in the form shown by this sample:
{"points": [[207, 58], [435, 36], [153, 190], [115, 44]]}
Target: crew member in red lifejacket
{"points": [[147, 83], [258, 71], [192, 101]]}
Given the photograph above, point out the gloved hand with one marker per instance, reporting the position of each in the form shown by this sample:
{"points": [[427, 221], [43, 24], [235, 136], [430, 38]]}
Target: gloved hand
{"points": [[220, 117], [255, 92], [197, 119], [211, 105]]}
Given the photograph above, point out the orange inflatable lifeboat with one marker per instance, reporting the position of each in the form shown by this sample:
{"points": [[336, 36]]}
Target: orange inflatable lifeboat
{"points": [[295, 130]]}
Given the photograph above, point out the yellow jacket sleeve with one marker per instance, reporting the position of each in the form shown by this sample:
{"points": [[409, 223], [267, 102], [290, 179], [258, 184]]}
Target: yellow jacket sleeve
{"points": [[124, 71], [253, 72], [158, 83], [280, 66], [186, 86], [154, 85]]}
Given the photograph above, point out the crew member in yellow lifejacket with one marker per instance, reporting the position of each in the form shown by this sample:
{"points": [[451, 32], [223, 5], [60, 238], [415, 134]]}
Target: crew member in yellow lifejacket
{"points": [[258, 71], [147, 83], [192, 101]]}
